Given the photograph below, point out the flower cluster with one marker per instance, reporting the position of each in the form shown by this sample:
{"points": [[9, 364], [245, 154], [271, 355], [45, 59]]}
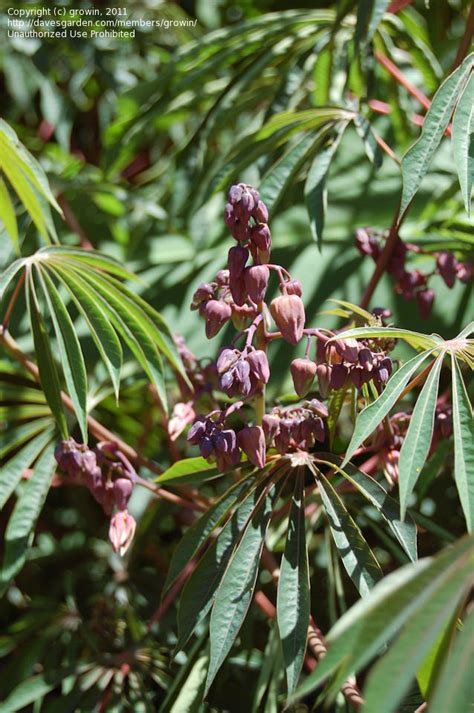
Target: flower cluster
{"points": [[109, 476], [295, 426], [413, 283], [358, 361], [242, 372]]}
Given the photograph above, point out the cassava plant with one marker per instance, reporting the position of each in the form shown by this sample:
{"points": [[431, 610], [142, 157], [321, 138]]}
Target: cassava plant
{"points": [[236, 473]]}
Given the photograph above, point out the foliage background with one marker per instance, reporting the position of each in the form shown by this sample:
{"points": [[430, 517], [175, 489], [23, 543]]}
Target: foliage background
{"points": [[127, 155]]}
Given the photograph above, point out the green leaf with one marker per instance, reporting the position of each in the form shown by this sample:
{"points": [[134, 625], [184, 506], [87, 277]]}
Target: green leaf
{"points": [[48, 372], [7, 214], [463, 430], [236, 588], [26, 194], [104, 336], [372, 149], [360, 633], [375, 493], [7, 276], [11, 472], [417, 159], [463, 141], [133, 326], [415, 339], [455, 687], [374, 413], [77, 257], [25, 515], [357, 557], [187, 471], [18, 435], [315, 187], [416, 444], [293, 598], [200, 589], [198, 533], [280, 175], [33, 689], [391, 677], [335, 404], [72, 359]]}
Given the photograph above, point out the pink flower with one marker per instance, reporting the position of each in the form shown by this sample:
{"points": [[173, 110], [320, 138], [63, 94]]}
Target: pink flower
{"points": [[183, 414], [121, 531]]}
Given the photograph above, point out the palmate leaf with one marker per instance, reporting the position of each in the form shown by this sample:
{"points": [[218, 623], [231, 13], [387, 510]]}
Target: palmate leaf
{"points": [[463, 138], [293, 598], [417, 159], [25, 515], [395, 602], [357, 557], [372, 415], [235, 591], [463, 430], [416, 444], [12, 472]]}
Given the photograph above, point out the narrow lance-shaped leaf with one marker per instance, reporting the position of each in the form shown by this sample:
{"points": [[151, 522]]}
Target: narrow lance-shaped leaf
{"points": [[455, 687], [200, 589], [357, 557], [315, 186], [463, 430], [404, 531], [463, 141], [372, 415], [48, 372], [197, 534], [293, 599], [416, 445], [236, 588], [104, 336], [11, 472], [371, 147], [417, 159], [25, 515], [72, 360], [7, 276], [7, 214]]}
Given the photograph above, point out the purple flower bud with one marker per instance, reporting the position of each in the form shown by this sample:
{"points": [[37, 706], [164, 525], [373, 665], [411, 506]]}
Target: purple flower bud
{"points": [[292, 287], [271, 426], [222, 278], [238, 290], [289, 316], [252, 442], [242, 376], [217, 313], [260, 212], [381, 312], [319, 408], [348, 349], [463, 271], [446, 264], [235, 194], [236, 260], [338, 376], [229, 216], [206, 446], [382, 373], [122, 491], [425, 299], [227, 359], [204, 292], [365, 359], [303, 372], [323, 372], [256, 281], [359, 376], [197, 431], [240, 231], [121, 531], [258, 363], [261, 237]]}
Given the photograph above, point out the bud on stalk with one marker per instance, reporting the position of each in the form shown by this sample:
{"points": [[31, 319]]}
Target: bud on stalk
{"points": [[121, 531], [303, 372], [289, 316], [216, 313], [252, 441], [256, 281]]}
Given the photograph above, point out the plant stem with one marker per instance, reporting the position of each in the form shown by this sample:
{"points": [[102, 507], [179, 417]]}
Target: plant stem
{"points": [[261, 342], [13, 300], [383, 260], [466, 40]]}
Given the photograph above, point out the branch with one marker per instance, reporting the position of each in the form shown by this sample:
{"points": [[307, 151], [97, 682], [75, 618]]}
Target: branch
{"points": [[466, 40]]}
